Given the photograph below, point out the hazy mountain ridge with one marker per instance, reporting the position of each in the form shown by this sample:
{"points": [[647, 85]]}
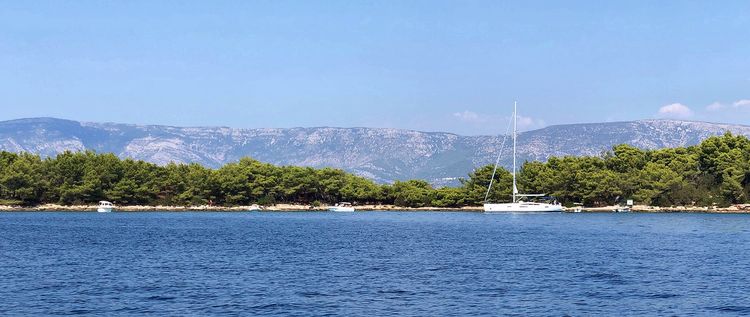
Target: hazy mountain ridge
{"points": [[378, 153]]}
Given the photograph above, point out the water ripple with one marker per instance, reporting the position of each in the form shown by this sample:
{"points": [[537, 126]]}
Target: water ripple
{"points": [[373, 264]]}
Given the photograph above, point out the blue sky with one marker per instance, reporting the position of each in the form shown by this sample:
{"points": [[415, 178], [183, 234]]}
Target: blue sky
{"points": [[450, 66]]}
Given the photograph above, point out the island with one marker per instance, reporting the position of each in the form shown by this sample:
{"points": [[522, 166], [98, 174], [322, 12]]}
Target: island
{"points": [[713, 176]]}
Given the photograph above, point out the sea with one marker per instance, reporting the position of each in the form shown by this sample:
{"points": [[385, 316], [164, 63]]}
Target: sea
{"points": [[373, 264]]}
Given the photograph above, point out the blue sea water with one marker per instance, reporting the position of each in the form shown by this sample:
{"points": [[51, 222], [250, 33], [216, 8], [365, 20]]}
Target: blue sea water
{"points": [[374, 264]]}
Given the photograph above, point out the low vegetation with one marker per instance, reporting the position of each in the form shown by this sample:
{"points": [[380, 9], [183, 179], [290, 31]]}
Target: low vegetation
{"points": [[715, 172]]}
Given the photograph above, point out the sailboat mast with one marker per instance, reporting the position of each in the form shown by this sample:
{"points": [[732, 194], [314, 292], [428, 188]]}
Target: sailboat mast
{"points": [[515, 119]]}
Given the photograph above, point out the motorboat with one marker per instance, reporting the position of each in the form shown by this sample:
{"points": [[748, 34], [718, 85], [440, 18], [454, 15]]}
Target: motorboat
{"points": [[622, 209], [342, 207], [577, 207], [105, 206]]}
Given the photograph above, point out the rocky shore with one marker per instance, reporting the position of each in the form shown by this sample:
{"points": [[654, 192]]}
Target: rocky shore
{"points": [[742, 208], [277, 207], [299, 207]]}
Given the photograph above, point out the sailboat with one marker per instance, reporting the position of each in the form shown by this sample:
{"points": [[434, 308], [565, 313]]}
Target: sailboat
{"points": [[518, 204]]}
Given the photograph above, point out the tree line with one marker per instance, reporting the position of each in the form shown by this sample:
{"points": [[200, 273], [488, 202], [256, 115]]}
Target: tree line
{"points": [[715, 172]]}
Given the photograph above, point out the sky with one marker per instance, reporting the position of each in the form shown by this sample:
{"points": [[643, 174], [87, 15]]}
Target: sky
{"points": [[453, 66]]}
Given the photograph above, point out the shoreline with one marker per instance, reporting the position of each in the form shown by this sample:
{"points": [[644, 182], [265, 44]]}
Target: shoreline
{"points": [[277, 207], [735, 209]]}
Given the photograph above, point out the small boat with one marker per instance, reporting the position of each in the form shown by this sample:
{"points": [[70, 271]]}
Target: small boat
{"points": [[342, 207], [255, 207], [517, 204], [622, 209], [577, 207], [105, 206]]}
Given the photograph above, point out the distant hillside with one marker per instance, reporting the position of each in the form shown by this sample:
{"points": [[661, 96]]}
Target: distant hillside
{"points": [[381, 154]]}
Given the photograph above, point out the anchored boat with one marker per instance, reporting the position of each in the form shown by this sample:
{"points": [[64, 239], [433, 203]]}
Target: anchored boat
{"points": [[342, 207], [518, 204], [105, 206]]}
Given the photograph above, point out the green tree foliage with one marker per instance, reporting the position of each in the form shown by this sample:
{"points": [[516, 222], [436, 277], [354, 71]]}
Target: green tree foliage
{"points": [[22, 178], [413, 193], [717, 171], [475, 187], [87, 177]]}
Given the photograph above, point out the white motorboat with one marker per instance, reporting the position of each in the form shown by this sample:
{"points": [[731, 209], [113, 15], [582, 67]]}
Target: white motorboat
{"points": [[577, 207], [517, 204], [255, 207], [105, 206], [342, 207], [622, 209]]}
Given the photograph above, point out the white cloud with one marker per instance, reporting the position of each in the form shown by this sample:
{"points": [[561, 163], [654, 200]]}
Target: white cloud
{"points": [[741, 103], [676, 111], [528, 123], [716, 106], [469, 117], [524, 123]]}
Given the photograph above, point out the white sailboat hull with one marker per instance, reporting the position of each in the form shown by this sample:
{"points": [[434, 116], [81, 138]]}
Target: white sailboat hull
{"points": [[341, 209], [522, 207]]}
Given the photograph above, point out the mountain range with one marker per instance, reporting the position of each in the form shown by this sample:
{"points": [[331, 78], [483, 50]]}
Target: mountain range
{"points": [[381, 154]]}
